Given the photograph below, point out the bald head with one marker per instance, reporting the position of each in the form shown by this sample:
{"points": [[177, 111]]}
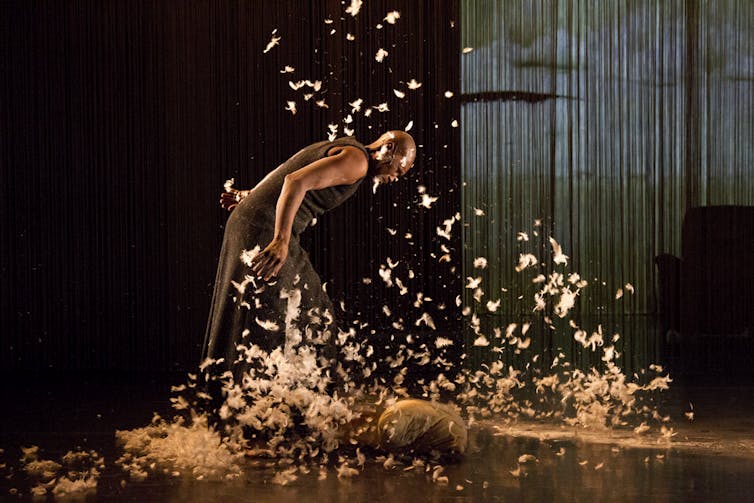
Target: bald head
{"points": [[393, 154], [405, 147]]}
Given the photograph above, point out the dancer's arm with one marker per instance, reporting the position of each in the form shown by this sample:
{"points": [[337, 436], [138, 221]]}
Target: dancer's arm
{"points": [[346, 167]]}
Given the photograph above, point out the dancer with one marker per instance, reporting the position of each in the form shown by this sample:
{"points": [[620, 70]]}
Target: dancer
{"points": [[262, 264], [262, 268]]}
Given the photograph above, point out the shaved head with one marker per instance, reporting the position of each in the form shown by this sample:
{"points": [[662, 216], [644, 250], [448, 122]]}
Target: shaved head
{"points": [[393, 154], [405, 147]]}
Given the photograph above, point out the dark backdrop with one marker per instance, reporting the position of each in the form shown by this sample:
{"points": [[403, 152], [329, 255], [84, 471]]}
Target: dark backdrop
{"points": [[120, 123]]}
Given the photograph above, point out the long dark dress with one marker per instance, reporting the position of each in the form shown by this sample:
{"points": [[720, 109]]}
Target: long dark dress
{"points": [[241, 307]]}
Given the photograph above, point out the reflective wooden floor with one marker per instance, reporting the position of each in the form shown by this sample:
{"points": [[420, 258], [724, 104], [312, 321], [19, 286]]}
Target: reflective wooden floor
{"points": [[709, 459]]}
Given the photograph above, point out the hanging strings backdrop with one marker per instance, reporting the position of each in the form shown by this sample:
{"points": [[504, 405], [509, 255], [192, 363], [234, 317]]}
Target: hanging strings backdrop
{"points": [[121, 121], [606, 121]]}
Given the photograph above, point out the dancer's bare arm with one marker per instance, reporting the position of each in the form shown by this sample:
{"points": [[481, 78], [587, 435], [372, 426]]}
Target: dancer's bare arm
{"points": [[345, 167]]}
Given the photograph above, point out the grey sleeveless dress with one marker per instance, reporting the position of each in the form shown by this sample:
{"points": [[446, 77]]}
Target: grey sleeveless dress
{"points": [[243, 313]]}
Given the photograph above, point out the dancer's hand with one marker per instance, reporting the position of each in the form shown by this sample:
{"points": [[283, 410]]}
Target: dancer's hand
{"points": [[229, 200], [267, 263]]}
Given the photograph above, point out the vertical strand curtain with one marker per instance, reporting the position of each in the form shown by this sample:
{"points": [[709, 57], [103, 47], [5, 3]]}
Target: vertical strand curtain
{"points": [[605, 121], [121, 120]]}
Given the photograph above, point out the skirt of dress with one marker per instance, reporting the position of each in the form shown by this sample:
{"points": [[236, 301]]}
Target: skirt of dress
{"points": [[250, 311]]}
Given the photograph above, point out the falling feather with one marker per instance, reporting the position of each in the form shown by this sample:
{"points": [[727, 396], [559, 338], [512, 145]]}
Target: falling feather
{"points": [[354, 7], [481, 341], [480, 263], [381, 55], [566, 301], [392, 17], [333, 134], [427, 201], [356, 105], [385, 274], [478, 294], [559, 257], [427, 320], [442, 342], [690, 414], [273, 42], [473, 282], [526, 260]]}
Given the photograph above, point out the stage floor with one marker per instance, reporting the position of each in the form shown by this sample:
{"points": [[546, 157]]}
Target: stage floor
{"points": [[709, 459]]}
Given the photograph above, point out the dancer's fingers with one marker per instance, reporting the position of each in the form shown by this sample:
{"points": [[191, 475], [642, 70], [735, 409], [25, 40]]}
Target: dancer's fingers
{"points": [[258, 257], [273, 266], [277, 269], [226, 201], [260, 268], [258, 262]]}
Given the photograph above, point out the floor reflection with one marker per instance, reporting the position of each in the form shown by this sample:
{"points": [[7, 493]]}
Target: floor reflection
{"points": [[554, 471], [709, 459]]}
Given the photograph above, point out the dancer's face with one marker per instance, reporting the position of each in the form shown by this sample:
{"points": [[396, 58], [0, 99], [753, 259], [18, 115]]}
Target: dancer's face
{"points": [[390, 166]]}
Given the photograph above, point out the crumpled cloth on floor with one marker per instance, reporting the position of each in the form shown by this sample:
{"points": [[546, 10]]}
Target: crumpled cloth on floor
{"points": [[422, 426]]}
